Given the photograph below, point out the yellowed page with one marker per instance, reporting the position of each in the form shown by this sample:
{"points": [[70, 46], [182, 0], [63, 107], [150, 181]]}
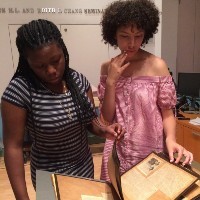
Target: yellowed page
{"points": [[154, 176]]}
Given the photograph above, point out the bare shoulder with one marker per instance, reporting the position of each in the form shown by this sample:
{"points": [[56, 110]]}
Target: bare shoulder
{"points": [[159, 66], [104, 68]]}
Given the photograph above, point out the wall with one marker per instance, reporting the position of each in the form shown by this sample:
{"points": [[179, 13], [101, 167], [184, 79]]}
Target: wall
{"points": [[188, 48], [169, 33], [180, 35], [23, 11]]}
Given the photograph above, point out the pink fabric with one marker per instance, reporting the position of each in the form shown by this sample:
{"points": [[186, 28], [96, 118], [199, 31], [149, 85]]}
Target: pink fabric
{"points": [[139, 101]]}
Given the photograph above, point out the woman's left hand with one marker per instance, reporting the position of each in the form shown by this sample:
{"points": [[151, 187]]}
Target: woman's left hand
{"points": [[174, 147]]}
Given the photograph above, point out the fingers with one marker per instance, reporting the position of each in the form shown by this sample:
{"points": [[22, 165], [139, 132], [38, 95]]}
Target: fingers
{"points": [[119, 131], [180, 153], [112, 131], [121, 134], [119, 60], [117, 66], [117, 127], [188, 157], [125, 66], [171, 156]]}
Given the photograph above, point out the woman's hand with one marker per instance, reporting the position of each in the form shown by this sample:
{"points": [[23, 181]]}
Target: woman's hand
{"points": [[174, 147], [116, 67], [111, 132], [114, 132]]}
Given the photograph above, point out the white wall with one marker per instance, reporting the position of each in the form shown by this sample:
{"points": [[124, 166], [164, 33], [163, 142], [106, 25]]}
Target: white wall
{"points": [[188, 47], [169, 33], [18, 17]]}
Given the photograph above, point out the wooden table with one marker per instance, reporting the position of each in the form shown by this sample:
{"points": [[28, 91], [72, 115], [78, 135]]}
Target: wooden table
{"points": [[188, 135]]}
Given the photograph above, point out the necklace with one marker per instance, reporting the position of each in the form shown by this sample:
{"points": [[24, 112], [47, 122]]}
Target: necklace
{"points": [[64, 90], [64, 87], [67, 110]]}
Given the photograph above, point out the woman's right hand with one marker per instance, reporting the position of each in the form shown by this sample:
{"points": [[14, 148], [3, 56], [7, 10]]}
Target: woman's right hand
{"points": [[114, 132], [116, 68]]}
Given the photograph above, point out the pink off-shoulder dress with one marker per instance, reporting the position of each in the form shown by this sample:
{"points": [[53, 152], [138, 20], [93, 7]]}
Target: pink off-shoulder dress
{"points": [[139, 101]]}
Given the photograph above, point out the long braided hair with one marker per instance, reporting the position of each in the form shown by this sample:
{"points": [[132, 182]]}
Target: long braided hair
{"points": [[38, 33]]}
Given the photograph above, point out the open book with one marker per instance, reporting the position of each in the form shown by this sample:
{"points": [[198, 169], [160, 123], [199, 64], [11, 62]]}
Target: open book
{"points": [[154, 178]]}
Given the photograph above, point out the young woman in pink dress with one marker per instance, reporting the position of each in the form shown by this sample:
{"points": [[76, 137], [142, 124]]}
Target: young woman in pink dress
{"points": [[136, 89]]}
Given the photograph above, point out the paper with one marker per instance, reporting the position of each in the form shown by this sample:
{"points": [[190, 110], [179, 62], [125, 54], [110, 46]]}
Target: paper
{"points": [[157, 177], [152, 178], [105, 196], [78, 188], [195, 121], [86, 197]]}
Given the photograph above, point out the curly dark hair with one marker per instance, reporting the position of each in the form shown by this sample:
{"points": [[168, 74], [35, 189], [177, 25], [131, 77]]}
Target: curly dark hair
{"points": [[142, 13]]}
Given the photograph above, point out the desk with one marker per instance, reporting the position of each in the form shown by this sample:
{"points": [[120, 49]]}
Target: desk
{"points": [[188, 135]]}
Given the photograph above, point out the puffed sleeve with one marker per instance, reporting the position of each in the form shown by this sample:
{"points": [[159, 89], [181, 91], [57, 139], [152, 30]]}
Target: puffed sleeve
{"points": [[167, 93]]}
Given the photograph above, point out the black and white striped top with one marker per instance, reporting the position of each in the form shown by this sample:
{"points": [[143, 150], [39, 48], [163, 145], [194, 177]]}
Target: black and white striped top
{"points": [[60, 145]]}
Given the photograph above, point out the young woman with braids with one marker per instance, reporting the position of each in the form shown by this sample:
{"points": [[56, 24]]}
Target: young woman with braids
{"points": [[52, 102], [136, 89]]}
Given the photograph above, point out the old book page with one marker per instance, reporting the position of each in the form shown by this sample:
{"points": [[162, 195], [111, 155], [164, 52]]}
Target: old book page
{"points": [[155, 178], [193, 192]]}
